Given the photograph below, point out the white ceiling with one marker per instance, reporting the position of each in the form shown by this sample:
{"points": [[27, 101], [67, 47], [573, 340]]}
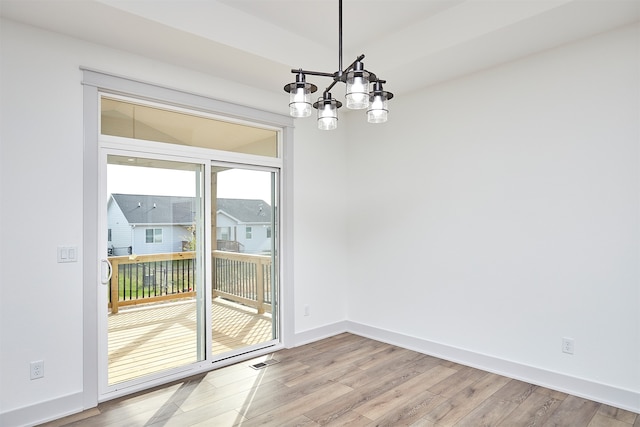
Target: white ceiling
{"points": [[409, 43]]}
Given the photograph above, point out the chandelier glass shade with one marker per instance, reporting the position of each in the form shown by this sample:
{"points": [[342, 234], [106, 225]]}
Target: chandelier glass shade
{"points": [[300, 96], [358, 93], [327, 112], [378, 111]]}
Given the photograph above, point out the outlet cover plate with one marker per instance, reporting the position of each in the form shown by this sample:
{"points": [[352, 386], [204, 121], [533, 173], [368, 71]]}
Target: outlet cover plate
{"points": [[567, 345], [37, 369]]}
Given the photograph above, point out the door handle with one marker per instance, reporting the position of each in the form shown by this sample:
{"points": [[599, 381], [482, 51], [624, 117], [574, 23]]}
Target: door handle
{"points": [[105, 281]]}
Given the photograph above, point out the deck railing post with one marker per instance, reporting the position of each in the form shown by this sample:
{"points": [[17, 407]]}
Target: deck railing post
{"points": [[113, 284], [259, 286]]}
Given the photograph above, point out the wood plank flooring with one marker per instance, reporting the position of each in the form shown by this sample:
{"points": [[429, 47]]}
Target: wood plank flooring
{"points": [[349, 380], [162, 336]]}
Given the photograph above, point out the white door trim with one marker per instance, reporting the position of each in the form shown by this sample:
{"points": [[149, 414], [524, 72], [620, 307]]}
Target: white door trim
{"points": [[93, 83]]}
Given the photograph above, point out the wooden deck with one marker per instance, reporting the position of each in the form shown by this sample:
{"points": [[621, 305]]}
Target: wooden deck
{"points": [[162, 336]]}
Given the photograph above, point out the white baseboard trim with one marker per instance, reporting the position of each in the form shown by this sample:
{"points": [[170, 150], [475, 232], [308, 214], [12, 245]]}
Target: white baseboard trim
{"points": [[42, 412], [309, 336], [588, 389]]}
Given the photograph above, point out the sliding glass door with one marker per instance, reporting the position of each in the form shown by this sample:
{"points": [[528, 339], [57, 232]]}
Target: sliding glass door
{"points": [[199, 263], [155, 245], [171, 306], [245, 232]]}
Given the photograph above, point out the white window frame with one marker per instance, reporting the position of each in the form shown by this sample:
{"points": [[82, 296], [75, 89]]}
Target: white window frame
{"points": [[154, 232], [95, 83]]}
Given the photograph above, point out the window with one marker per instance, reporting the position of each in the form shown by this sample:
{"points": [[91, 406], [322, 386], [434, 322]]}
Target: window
{"points": [[151, 123], [248, 232], [153, 235], [223, 232]]}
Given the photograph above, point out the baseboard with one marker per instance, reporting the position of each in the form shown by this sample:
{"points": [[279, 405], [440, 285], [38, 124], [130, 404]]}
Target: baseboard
{"points": [[603, 393], [320, 333], [42, 412]]}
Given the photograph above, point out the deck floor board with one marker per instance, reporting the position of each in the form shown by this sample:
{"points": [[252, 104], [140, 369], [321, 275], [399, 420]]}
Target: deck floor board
{"points": [[143, 340]]}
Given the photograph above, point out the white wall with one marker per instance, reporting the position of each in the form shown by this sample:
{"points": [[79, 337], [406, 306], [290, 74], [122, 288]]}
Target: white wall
{"points": [[41, 314], [320, 227], [500, 212]]}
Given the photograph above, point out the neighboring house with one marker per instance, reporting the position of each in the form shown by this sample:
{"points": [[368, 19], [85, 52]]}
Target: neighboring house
{"points": [[246, 221], [143, 224]]}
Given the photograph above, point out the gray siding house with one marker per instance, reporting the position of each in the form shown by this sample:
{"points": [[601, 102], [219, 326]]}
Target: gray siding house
{"points": [[144, 224], [245, 221]]}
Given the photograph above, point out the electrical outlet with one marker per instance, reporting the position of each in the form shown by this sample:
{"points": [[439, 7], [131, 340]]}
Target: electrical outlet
{"points": [[37, 369], [306, 310], [567, 345]]}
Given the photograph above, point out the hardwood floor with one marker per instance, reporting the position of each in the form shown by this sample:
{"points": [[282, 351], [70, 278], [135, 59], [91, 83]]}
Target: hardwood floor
{"points": [[348, 380]]}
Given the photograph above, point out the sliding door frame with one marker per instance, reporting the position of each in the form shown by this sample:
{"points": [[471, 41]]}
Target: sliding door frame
{"points": [[132, 149], [95, 83]]}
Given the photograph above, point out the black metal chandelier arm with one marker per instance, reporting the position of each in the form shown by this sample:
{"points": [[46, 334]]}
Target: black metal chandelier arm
{"points": [[338, 74], [336, 79], [312, 73]]}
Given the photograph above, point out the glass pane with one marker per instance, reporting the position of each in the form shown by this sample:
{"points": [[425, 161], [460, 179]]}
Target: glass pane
{"points": [[155, 214], [244, 262], [130, 120]]}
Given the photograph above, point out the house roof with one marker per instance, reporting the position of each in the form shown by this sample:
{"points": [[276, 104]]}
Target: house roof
{"points": [[146, 209], [246, 210]]}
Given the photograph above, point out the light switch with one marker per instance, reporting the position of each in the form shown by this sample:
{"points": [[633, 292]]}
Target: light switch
{"points": [[67, 253]]}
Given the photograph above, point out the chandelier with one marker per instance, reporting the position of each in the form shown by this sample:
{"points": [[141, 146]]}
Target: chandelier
{"points": [[359, 95]]}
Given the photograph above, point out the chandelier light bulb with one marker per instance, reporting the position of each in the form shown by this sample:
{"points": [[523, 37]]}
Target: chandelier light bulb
{"points": [[300, 96], [327, 112], [300, 103], [357, 94], [378, 111]]}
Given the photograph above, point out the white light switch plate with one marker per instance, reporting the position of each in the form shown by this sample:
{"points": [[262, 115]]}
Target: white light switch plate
{"points": [[67, 254]]}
